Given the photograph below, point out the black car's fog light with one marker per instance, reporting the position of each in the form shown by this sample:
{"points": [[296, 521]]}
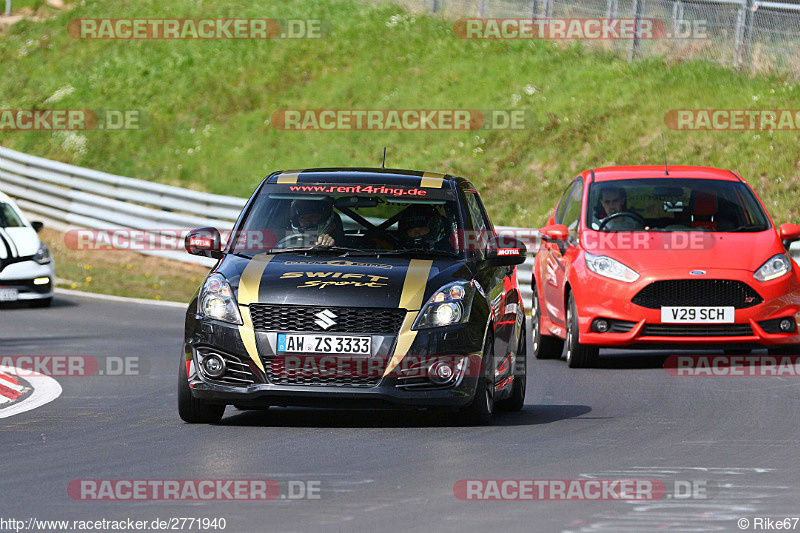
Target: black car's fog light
{"points": [[214, 366], [441, 373]]}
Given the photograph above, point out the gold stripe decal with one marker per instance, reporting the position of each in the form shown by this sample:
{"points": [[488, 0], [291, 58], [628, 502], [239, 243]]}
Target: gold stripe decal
{"points": [[290, 176], [249, 285], [432, 180], [411, 300]]}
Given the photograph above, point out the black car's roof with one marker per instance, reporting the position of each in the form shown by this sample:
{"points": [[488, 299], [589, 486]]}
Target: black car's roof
{"points": [[375, 176]]}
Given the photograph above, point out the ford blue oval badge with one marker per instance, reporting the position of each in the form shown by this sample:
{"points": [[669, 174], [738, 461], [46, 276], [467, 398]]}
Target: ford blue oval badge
{"points": [[697, 272]]}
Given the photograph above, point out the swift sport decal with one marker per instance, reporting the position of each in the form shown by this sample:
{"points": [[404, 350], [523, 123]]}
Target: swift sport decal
{"points": [[341, 278]]}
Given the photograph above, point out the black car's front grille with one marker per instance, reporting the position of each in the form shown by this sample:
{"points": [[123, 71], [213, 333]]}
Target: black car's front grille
{"points": [[697, 292], [236, 371], [345, 319], [697, 330], [312, 376]]}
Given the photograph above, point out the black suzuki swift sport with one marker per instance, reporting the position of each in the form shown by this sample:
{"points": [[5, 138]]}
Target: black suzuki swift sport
{"points": [[351, 287]]}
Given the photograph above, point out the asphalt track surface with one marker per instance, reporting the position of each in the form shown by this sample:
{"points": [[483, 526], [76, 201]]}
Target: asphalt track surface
{"points": [[737, 436]]}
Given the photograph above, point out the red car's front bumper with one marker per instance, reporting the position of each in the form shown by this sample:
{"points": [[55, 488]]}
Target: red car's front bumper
{"points": [[600, 297]]}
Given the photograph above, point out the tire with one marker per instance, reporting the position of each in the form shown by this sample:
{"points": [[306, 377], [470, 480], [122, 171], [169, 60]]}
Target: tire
{"points": [[544, 346], [578, 355], [517, 400], [479, 411], [791, 349], [191, 409], [44, 302]]}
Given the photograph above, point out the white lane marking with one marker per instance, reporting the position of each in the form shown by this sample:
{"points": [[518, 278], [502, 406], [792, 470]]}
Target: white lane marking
{"points": [[162, 303], [45, 390]]}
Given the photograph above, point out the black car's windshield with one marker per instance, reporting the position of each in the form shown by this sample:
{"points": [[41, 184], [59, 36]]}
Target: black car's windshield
{"points": [[666, 204], [300, 219]]}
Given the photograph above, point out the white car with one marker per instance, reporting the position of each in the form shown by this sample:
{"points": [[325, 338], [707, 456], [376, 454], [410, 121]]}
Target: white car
{"points": [[27, 271]]}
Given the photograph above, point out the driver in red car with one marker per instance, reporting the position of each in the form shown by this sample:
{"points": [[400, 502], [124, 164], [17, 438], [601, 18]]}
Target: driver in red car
{"points": [[613, 200], [315, 223]]}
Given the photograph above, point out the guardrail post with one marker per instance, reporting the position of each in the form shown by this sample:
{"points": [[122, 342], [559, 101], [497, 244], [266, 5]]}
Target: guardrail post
{"points": [[612, 7], [747, 31], [435, 6], [483, 8], [534, 9], [8, 8], [638, 13], [677, 16]]}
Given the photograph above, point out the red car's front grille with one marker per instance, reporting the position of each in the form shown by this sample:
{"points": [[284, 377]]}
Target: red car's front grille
{"points": [[697, 330], [697, 292]]}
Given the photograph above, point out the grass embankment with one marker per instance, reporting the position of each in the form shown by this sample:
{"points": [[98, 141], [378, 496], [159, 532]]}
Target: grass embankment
{"points": [[208, 104]]}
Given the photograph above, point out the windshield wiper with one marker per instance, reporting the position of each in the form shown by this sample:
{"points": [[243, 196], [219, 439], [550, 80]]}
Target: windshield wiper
{"points": [[438, 253], [749, 227], [316, 248]]}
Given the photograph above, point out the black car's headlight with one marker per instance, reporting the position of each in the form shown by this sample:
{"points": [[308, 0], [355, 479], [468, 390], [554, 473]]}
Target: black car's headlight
{"points": [[449, 305], [217, 301], [42, 255], [775, 267]]}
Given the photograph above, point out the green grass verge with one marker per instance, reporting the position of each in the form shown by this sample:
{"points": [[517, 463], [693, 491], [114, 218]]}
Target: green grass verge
{"points": [[208, 104]]}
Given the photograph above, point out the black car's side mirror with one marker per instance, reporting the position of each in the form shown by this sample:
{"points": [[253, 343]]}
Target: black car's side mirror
{"points": [[205, 242], [37, 226], [505, 251]]}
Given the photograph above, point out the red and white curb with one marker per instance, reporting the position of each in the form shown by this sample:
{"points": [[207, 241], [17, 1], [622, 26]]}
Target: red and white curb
{"points": [[18, 396]]}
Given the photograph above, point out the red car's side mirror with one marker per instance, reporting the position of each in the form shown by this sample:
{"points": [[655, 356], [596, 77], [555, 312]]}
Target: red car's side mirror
{"points": [[554, 232], [789, 232]]}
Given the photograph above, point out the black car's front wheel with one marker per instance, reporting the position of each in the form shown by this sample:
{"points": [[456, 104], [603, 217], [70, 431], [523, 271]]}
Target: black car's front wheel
{"points": [[517, 399], [480, 410], [191, 409], [578, 355]]}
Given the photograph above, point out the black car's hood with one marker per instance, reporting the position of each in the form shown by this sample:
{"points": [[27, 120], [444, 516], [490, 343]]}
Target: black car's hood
{"points": [[295, 279]]}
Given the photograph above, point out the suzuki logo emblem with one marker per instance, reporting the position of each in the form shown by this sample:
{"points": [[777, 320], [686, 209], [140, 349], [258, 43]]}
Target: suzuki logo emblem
{"points": [[325, 319], [697, 272]]}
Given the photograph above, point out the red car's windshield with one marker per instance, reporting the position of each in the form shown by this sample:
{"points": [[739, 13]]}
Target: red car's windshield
{"points": [[667, 204]]}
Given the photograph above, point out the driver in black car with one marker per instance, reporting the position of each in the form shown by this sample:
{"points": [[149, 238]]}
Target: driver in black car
{"points": [[421, 226], [313, 222], [613, 200]]}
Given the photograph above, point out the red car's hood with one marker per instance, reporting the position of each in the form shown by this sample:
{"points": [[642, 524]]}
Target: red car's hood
{"points": [[644, 251]]}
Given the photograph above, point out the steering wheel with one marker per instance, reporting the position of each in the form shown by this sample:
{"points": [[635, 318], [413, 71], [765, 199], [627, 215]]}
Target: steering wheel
{"points": [[638, 218], [289, 238]]}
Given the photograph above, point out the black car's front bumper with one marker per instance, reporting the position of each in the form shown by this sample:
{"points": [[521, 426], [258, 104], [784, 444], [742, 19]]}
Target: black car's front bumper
{"points": [[259, 388]]}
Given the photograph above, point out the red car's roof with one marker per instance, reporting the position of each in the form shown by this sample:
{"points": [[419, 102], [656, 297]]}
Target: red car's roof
{"points": [[657, 171]]}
